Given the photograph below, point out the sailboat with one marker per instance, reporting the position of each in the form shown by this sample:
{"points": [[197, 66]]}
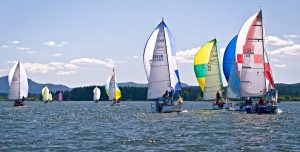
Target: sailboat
{"points": [[232, 77], [60, 96], [97, 94], [18, 84], [46, 94], [208, 73], [256, 80], [161, 70], [50, 97], [112, 89]]}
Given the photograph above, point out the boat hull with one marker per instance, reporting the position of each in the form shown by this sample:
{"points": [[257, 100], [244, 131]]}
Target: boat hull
{"points": [[18, 104], [157, 107]]}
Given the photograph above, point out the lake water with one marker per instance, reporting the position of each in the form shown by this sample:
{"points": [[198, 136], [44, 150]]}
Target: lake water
{"points": [[89, 126]]}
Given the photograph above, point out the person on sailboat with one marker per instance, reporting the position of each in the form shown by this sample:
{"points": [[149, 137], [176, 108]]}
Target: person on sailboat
{"points": [[261, 102], [170, 99], [23, 99], [165, 96], [219, 99]]}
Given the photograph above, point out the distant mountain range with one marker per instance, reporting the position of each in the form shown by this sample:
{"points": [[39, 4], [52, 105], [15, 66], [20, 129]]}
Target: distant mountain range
{"points": [[133, 84], [34, 87]]}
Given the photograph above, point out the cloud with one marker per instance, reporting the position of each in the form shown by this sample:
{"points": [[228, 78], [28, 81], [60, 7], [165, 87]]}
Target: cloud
{"points": [[3, 70], [50, 43], [70, 66], [30, 52], [280, 65], [4, 46], [135, 57], [59, 44], [13, 42], [288, 50], [56, 54], [64, 43], [275, 60], [92, 61], [36, 68], [66, 72], [274, 40], [291, 36], [186, 56], [22, 48]]}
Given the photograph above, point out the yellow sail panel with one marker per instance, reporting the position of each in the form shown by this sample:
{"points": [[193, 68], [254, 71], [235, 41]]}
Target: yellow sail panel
{"points": [[201, 61], [118, 94]]}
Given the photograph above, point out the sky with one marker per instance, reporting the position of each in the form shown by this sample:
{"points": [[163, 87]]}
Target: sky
{"points": [[77, 43]]}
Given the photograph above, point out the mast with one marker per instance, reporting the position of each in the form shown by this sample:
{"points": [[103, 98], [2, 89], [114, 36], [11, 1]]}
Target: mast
{"points": [[19, 81], [167, 52], [264, 51]]}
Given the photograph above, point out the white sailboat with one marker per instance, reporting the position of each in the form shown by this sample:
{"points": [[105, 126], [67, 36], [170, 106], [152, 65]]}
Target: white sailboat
{"points": [[50, 97], [161, 70], [112, 89], [46, 94], [256, 80], [97, 94], [18, 84]]}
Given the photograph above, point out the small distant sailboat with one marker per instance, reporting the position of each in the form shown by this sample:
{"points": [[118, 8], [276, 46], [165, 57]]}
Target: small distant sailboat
{"points": [[207, 69], [18, 84], [256, 80], [60, 96], [161, 71], [50, 97], [97, 94], [112, 89], [46, 94]]}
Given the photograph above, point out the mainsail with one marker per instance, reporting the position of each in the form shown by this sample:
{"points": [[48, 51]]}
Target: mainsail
{"points": [[46, 94], [207, 69], [18, 84], [97, 94], [112, 88], [160, 63], [230, 69], [251, 57]]}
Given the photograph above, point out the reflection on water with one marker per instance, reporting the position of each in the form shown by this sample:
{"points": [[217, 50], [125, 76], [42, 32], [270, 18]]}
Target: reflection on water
{"points": [[89, 126]]}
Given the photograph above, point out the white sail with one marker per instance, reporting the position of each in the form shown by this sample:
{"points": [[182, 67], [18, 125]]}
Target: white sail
{"points": [[112, 88], [97, 93], [45, 94], [213, 79], [160, 63], [250, 57], [18, 84], [50, 97]]}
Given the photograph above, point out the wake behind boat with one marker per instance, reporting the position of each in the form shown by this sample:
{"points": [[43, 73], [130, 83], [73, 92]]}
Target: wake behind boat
{"points": [[161, 71], [18, 84]]}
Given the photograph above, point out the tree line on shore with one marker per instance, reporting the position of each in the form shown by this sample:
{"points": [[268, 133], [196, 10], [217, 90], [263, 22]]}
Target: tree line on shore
{"points": [[191, 93]]}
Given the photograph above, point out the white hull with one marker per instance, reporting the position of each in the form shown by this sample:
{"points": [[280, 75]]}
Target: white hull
{"points": [[166, 108]]}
